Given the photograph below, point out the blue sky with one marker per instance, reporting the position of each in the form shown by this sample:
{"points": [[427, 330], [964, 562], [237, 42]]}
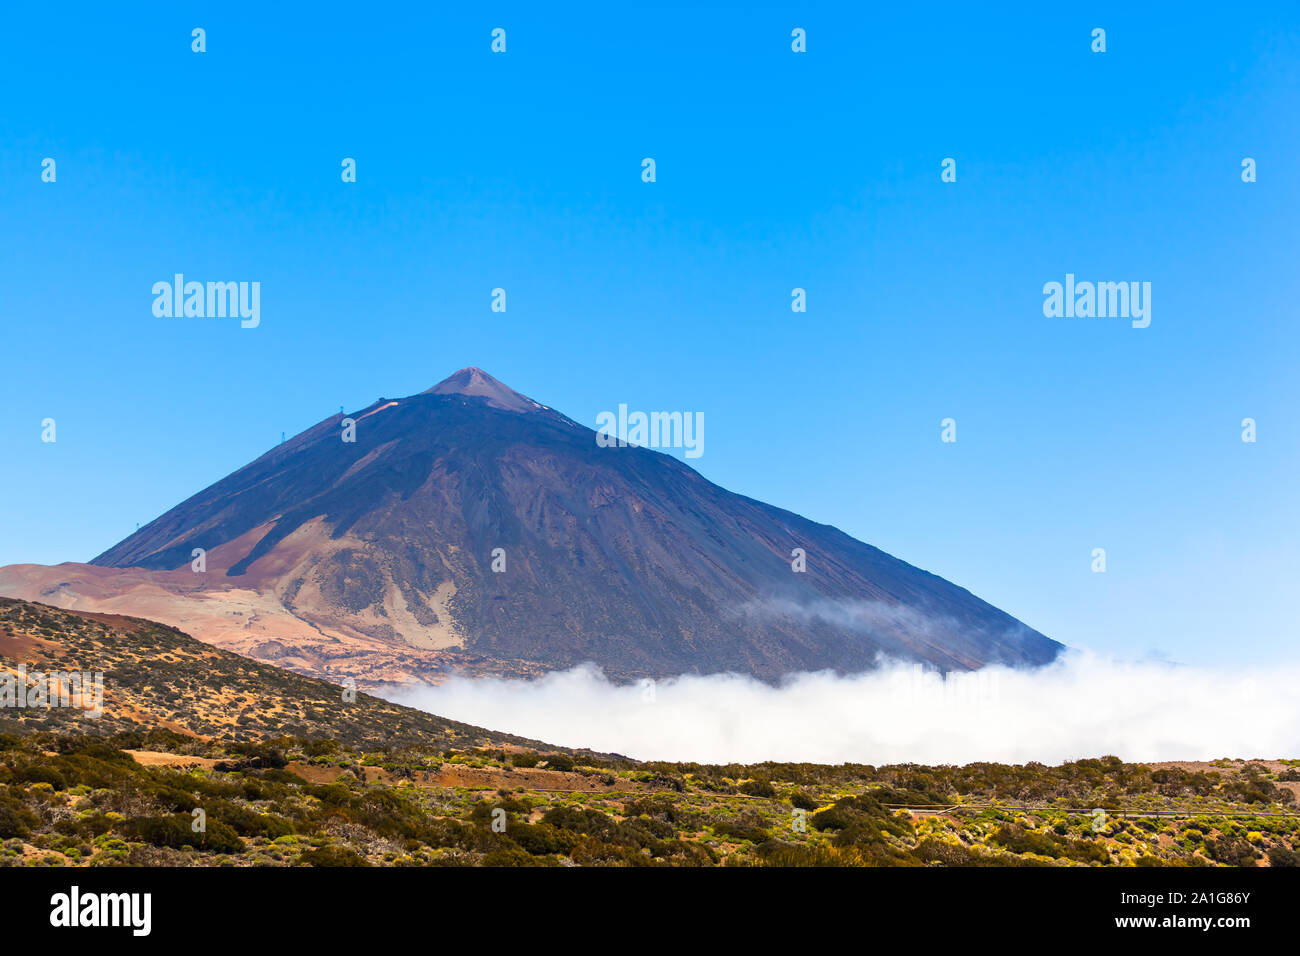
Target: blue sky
{"points": [[775, 170]]}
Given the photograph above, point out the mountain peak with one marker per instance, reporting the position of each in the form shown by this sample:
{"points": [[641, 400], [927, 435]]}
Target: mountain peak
{"points": [[381, 556], [473, 382]]}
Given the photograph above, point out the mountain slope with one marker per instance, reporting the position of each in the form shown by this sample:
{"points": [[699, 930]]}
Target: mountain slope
{"points": [[622, 556], [157, 677]]}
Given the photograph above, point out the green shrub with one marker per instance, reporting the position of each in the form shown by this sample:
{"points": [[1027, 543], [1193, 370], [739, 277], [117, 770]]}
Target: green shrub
{"points": [[15, 819], [1231, 850], [332, 856], [738, 832], [1282, 856], [802, 801], [541, 839], [512, 856], [176, 832], [37, 773]]}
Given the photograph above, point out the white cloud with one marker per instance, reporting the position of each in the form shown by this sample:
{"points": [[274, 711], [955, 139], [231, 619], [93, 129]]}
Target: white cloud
{"points": [[1083, 705]]}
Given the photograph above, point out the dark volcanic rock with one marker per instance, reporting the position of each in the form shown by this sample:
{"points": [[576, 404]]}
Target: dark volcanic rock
{"points": [[621, 556]]}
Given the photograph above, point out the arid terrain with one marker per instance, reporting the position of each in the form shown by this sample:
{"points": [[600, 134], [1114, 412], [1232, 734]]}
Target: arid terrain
{"points": [[156, 677]]}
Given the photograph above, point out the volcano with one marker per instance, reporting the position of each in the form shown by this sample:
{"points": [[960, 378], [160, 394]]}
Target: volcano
{"points": [[471, 528]]}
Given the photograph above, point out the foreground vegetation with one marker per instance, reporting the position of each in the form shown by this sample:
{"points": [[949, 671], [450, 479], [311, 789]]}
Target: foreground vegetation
{"points": [[137, 799]]}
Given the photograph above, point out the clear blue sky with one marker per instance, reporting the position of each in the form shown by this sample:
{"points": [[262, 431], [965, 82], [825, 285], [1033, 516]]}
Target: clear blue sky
{"points": [[775, 170]]}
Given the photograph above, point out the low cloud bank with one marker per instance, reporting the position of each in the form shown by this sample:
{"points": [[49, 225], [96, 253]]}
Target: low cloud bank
{"points": [[1084, 705]]}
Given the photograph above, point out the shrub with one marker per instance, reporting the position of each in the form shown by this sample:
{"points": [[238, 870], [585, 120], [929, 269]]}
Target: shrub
{"points": [[931, 850], [332, 856], [1281, 856], [1231, 850], [35, 773], [737, 831], [802, 801], [176, 832], [15, 819], [598, 853], [541, 839], [515, 856]]}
